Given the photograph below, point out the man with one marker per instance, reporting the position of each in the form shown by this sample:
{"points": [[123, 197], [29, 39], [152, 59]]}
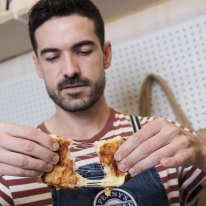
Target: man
{"points": [[71, 56]]}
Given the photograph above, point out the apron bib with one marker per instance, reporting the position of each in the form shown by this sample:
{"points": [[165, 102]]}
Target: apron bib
{"points": [[145, 189]]}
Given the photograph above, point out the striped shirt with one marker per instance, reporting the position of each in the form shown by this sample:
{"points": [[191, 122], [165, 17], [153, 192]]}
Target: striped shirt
{"points": [[181, 184]]}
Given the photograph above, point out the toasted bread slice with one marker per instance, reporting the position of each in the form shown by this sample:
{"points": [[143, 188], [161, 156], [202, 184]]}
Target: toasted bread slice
{"points": [[63, 174], [106, 150]]}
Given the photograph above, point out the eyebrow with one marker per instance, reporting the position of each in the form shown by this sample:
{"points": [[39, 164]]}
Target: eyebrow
{"points": [[83, 43], [46, 50]]}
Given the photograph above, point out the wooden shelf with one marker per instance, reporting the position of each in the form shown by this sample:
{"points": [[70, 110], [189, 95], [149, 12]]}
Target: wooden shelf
{"points": [[14, 38]]}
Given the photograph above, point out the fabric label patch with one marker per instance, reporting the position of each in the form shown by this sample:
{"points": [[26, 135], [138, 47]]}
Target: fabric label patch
{"points": [[118, 197]]}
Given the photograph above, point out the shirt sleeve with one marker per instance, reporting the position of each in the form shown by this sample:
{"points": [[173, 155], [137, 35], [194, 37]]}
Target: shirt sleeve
{"points": [[5, 194], [191, 182]]}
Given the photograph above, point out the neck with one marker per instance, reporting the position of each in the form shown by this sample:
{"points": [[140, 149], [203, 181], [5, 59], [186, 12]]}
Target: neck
{"points": [[79, 125]]}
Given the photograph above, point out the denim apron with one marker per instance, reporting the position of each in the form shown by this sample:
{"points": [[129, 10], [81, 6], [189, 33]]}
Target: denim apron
{"points": [[145, 189]]}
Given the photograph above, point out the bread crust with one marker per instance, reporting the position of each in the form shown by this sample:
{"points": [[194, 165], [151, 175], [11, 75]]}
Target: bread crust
{"points": [[63, 174]]}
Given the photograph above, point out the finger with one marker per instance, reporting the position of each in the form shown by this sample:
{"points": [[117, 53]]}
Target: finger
{"points": [[182, 159], [150, 161], [143, 150], [185, 153], [11, 170], [160, 129], [146, 132], [23, 161], [156, 157], [30, 133], [30, 148]]}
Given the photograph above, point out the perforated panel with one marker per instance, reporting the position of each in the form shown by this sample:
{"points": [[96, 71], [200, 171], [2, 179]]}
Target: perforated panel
{"points": [[178, 54], [25, 101]]}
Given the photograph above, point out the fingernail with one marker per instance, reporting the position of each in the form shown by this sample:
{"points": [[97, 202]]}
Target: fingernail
{"points": [[118, 157], [49, 168], [55, 159], [122, 167], [55, 146], [132, 171]]}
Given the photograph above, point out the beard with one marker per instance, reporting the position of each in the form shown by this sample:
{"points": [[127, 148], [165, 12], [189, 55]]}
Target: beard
{"points": [[77, 101]]}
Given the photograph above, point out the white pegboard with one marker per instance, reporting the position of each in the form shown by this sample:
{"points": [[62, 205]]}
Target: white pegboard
{"points": [[178, 54], [25, 101]]}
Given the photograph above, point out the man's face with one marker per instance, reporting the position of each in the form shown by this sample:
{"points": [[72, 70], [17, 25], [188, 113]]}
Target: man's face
{"points": [[71, 62]]}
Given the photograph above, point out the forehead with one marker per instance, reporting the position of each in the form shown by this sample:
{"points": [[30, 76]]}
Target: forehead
{"points": [[66, 30]]}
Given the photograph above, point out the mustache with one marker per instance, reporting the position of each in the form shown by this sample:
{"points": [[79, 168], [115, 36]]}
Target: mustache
{"points": [[72, 81]]}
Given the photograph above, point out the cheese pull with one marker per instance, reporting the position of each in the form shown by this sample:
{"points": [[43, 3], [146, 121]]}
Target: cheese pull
{"points": [[64, 174]]}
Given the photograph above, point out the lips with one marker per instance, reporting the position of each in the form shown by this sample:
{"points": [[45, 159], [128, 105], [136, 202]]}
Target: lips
{"points": [[75, 82], [72, 86]]}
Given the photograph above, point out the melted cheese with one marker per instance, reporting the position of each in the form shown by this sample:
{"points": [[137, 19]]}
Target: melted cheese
{"points": [[111, 179], [64, 174]]}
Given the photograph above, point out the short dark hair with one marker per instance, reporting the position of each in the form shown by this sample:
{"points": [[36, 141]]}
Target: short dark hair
{"points": [[44, 10]]}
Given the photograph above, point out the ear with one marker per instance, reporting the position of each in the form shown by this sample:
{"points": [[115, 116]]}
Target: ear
{"points": [[107, 52], [37, 65]]}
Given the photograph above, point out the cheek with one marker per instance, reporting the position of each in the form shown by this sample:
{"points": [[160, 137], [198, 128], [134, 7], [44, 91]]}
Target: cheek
{"points": [[50, 76], [95, 72], [96, 66], [97, 76], [51, 82]]}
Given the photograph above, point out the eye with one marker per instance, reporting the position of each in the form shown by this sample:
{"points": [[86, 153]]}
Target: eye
{"points": [[51, 59], [85, 52]]}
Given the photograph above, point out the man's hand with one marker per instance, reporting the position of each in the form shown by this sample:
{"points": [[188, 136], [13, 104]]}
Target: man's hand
{"points": [[161, 142], [25, 151]]}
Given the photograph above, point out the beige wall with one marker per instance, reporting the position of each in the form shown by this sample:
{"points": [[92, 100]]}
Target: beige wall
{"points": [[153, 19], [123, 28], [16, 67]]}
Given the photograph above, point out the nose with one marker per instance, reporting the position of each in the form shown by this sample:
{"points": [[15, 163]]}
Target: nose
{"points": [[70, 65]]}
